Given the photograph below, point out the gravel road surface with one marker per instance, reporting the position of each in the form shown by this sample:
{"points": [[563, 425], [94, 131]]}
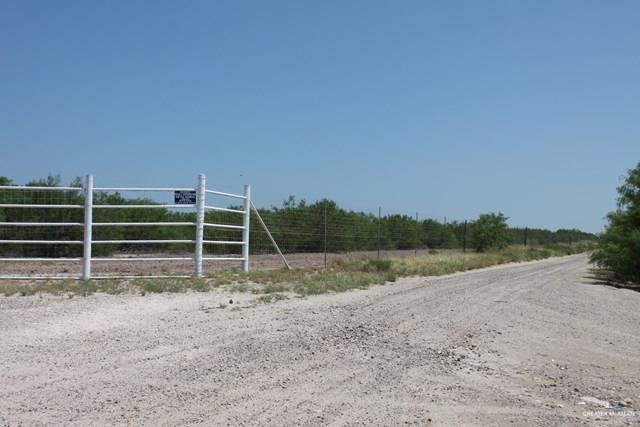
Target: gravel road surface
{"points": [[519, 344]]}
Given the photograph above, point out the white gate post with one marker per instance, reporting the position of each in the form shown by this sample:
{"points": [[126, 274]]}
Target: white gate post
{"points": [[88, 224], [200, 203], [245, 230]]}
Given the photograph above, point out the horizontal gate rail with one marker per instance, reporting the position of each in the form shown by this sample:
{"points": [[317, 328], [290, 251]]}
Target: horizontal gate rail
{"points": [[42, 277], [133, 277], [16, 205], [222, 242], [222, 259], [116, 189], [36, 188], [41, 224], [141, 224], [43, 242], [41, 259], [236, 227], [220, 193], [144, 206], [215, 208], [129, 259], [115, 242]]}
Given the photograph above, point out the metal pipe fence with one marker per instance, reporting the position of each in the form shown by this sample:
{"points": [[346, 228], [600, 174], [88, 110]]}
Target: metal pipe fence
{"points": [[42, 213]]}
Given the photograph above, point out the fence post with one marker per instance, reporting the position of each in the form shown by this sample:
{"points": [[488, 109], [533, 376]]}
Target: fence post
{"points": [[379, 228], [464, 238], [245, 230], [415, 250], [88, 225], [525, 235], [200, 204], [325, 234]]}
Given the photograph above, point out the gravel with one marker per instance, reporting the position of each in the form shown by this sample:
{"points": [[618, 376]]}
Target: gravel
{"points": [[529, 344]]}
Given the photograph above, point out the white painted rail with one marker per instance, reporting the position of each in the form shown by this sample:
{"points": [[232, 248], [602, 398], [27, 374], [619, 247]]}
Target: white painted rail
{"points": [[42, 242], [220, 193], [158, 206], [36, 188], [215, 208], [142, 189], [42, 206], [41, 224]]}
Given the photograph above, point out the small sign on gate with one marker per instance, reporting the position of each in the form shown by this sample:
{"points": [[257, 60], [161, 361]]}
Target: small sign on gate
{"points": [[184, 197]]}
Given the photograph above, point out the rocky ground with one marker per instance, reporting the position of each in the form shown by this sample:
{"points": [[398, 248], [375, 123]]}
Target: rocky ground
{"points": [[519, 344]]}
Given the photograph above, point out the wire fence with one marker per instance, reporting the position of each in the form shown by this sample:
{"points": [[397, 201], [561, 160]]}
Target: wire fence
{"points": [[146, 224], [319, 233]]}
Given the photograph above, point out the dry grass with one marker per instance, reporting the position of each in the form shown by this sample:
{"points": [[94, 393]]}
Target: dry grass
{"points": [[339, 277]]}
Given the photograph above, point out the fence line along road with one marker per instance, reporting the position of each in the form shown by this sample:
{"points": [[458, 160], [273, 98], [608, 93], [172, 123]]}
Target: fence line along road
{"points": [[169, 226]]}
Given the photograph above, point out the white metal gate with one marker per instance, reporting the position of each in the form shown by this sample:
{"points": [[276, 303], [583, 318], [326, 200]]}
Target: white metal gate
{"points": [[197, 204]]}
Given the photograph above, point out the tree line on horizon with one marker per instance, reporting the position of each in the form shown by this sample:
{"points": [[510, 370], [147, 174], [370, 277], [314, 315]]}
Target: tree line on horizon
{"points": [[297, 226]]}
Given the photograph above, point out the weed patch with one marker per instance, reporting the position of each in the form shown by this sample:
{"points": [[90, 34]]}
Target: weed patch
{"points": [[268, 298]]}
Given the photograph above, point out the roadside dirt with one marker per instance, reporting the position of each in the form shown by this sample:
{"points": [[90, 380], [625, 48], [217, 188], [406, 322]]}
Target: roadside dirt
{"points": [[521, 344]]}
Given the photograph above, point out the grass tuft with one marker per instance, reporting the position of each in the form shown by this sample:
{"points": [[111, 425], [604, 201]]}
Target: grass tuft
{"points": [[338, 282], [269, 298]]}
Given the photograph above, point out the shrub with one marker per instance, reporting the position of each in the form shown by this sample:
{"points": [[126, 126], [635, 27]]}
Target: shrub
{"points": [[489, 231], [618, 249], [380, 265]]}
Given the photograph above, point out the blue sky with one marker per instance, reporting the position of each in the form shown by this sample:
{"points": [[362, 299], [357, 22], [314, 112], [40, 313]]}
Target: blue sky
{"points": [[441, 107]]}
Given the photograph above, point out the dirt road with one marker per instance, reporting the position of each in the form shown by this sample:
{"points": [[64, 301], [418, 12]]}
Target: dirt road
{"points": [[528, 344]]}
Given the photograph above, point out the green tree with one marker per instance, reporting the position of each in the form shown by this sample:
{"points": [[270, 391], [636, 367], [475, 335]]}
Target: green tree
{"points": [[618, 248], [489, 231], [448, 238]]}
